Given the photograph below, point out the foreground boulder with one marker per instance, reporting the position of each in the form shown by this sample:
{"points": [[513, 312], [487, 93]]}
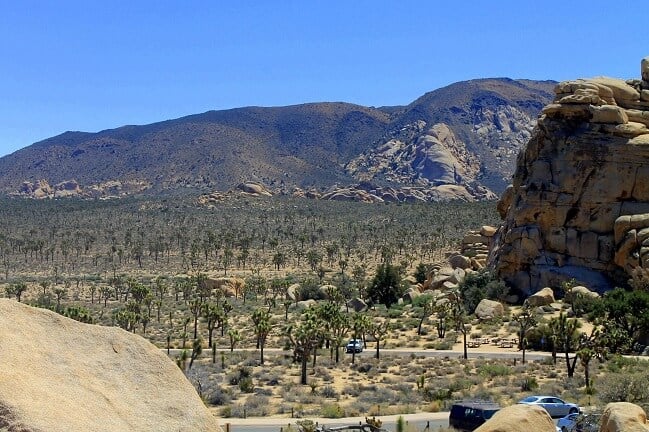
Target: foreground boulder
{"points": [[519, 418], [579, 204], [623, 417], [57, 374]]}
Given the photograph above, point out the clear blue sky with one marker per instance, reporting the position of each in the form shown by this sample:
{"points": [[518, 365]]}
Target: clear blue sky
{"points": [[93, 65]]}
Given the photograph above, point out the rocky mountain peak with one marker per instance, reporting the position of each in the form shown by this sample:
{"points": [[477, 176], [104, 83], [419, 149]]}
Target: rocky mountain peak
{"points": [[578, 207]]}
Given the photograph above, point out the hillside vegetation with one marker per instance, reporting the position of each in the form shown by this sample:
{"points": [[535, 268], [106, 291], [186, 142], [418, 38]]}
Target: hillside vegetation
{"points": [[316, 145]]}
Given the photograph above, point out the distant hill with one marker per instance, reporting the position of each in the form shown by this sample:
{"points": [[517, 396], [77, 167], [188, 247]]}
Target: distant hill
{"points": [[311, 146]]}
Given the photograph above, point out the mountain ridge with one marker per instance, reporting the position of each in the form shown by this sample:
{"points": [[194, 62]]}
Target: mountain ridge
{"points": [[306, 146]]}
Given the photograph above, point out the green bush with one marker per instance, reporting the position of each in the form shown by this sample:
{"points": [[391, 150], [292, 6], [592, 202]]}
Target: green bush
{"points": [[494, 370], [529, 384], [332, 410]]}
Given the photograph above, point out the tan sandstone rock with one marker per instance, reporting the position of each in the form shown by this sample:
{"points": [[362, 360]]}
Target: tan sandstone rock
{"points": [[623, 417], [519, 418], [578, 182], [543, 297], [488, 309], [578, 291], [57, 374]]}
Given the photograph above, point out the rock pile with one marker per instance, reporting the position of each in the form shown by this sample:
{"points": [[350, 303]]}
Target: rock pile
{"points": [[475, 247], [579, 204], [42, 189], [57, 374]]}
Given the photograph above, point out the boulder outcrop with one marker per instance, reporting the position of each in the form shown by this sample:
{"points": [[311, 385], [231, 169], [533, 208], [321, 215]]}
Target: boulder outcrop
{"points": [[579, 204], [57, 374], [623, 417], [519, 418]]}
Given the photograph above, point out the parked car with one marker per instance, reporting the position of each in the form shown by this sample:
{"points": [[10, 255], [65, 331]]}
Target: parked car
{"points": [[553, 405], [354, 346], [576, 422], [469, 415]]}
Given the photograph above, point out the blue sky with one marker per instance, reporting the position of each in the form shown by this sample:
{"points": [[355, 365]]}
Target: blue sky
{"points": [[94, 65]]}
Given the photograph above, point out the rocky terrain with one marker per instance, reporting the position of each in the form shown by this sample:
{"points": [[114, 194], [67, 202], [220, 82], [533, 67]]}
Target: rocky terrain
{"points": [[458, 142], [579, 204], [57, 374], [617, 417]]}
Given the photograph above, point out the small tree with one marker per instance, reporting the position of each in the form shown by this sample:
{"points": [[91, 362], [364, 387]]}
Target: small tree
{"points": [[262, 327], [197, 350], [305, 338], [459, 317], [234, 336], [16, 289], [526, 320], [386, 287], [379, 330]]}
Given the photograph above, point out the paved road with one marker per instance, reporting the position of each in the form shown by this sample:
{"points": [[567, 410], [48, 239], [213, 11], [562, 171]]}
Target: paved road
{"points": [[272, 424], [368, 353]]}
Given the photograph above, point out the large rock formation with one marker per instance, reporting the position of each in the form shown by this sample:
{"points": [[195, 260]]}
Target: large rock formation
{"points": [[57, 374], [579, 204]]}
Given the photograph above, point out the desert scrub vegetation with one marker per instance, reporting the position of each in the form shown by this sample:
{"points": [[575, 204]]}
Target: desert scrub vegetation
{"points": [[143, 264]]}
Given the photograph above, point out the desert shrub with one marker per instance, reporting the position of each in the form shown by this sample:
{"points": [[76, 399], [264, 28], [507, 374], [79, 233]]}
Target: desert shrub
{"points": [[332, 410], [443, 345], [479, 285], [263, 392], [365, 368], [217, 396], [329, 392], [257, 406], [624, 387], [226, 411], [242, 378], [310, 289], [529, 384], [431, 394], [421, 272], [324, 374], [494, 370], [396, 311], [618, 363]]}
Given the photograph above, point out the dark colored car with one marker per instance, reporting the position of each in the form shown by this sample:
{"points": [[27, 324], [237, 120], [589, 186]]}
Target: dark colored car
{"points": [[469, 415], [354, 346]]}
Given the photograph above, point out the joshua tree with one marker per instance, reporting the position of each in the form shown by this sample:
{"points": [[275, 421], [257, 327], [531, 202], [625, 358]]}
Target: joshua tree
{"points": [[261, 321], [305, 338], [526, 320], [234, 336], [212, 314], [378, 330], [197, 349]]}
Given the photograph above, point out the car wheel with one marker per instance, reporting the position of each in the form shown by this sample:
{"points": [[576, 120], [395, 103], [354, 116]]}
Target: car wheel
{"points": [[573, 411], [564, 429]]}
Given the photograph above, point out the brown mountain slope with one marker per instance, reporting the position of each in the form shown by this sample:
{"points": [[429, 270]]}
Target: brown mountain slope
{"points": [[310, 145], [489, 122]]}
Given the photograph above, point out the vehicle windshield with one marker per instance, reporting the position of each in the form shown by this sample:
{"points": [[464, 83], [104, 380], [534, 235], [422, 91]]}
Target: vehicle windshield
{"points": [[487, 414], [530, 399]]}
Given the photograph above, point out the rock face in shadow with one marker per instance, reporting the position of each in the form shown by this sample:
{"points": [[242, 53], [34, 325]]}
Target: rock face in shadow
{"points": [[579, 204], [57, 374]]}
